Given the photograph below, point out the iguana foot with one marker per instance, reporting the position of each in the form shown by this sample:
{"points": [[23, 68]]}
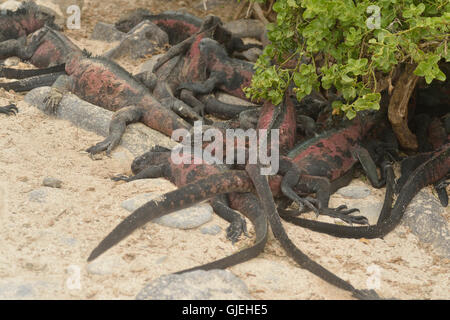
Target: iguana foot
{"points": [[344, 215], [9, 110], [236, 228], [52, 101], [106, 145]]}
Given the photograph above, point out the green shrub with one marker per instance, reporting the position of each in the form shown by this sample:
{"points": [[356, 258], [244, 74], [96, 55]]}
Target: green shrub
{"points": [[346, 46]]}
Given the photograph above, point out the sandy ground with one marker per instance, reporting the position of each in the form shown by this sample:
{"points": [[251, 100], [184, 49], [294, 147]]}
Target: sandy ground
{"points": [[44, 245]]}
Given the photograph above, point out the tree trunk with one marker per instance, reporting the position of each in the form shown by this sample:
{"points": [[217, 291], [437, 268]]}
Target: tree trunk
{"points": [[398, 107]]}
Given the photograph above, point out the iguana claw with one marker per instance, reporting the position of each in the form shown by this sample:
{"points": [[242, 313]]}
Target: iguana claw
{"points": [[106, 145], [236, 228], [52, 101], [9, 110]]}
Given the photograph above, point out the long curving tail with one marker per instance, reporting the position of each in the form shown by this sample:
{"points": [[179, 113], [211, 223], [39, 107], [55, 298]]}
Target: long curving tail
{"points": [[32, 82], [263, 190], [433, 170], [252, 209], [184, 197]]}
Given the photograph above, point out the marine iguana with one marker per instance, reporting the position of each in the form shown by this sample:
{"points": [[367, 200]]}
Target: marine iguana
{"points": [[230, 181], [179, 26], [185, 62], [28, 18], [45, 48], [433, 170], [104, 83], [190, 61]]}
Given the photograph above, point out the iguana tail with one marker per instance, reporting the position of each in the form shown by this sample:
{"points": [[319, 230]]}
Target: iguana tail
{"points": [[252, 209], [184, 197], [10, 73], [32, 82]]}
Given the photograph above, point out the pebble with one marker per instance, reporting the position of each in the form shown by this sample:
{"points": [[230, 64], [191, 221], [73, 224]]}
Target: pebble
{"points": [[15, 288], [196, 285], [211, 230], [424, 218], [38, 195], [104, 266], [189, 218], [354, 192], [226, 98], [16, 291], [52, 182]]}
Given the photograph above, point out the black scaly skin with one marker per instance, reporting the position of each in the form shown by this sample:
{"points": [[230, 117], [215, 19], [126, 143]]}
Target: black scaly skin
{"points": [[224, 183], [43, 48], [313, 165], [433, 170], [28, 18], [265, 196], [106, 84], [9, 110], [178, 25]]}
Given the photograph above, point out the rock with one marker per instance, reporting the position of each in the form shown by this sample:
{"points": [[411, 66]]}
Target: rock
{"points": [[138, 138], [11, 290], [38, 195], [107, 32], [144, 39], [226, 98], [10, 5], [104, 266], [52, 182], [11, 61], [369, 209], [354, 192], [148, 65], [189, 218], [424, 218], [196, 285], [211, 230], [246, 28], [251, 54], [68, 241]]}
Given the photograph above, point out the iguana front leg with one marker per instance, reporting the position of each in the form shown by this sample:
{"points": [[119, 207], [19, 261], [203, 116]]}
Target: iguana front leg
{"points": [[62, 84]]}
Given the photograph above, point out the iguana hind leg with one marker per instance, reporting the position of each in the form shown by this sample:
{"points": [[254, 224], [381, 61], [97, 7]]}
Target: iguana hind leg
{"points": [[237, 223], [117, 127]]}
